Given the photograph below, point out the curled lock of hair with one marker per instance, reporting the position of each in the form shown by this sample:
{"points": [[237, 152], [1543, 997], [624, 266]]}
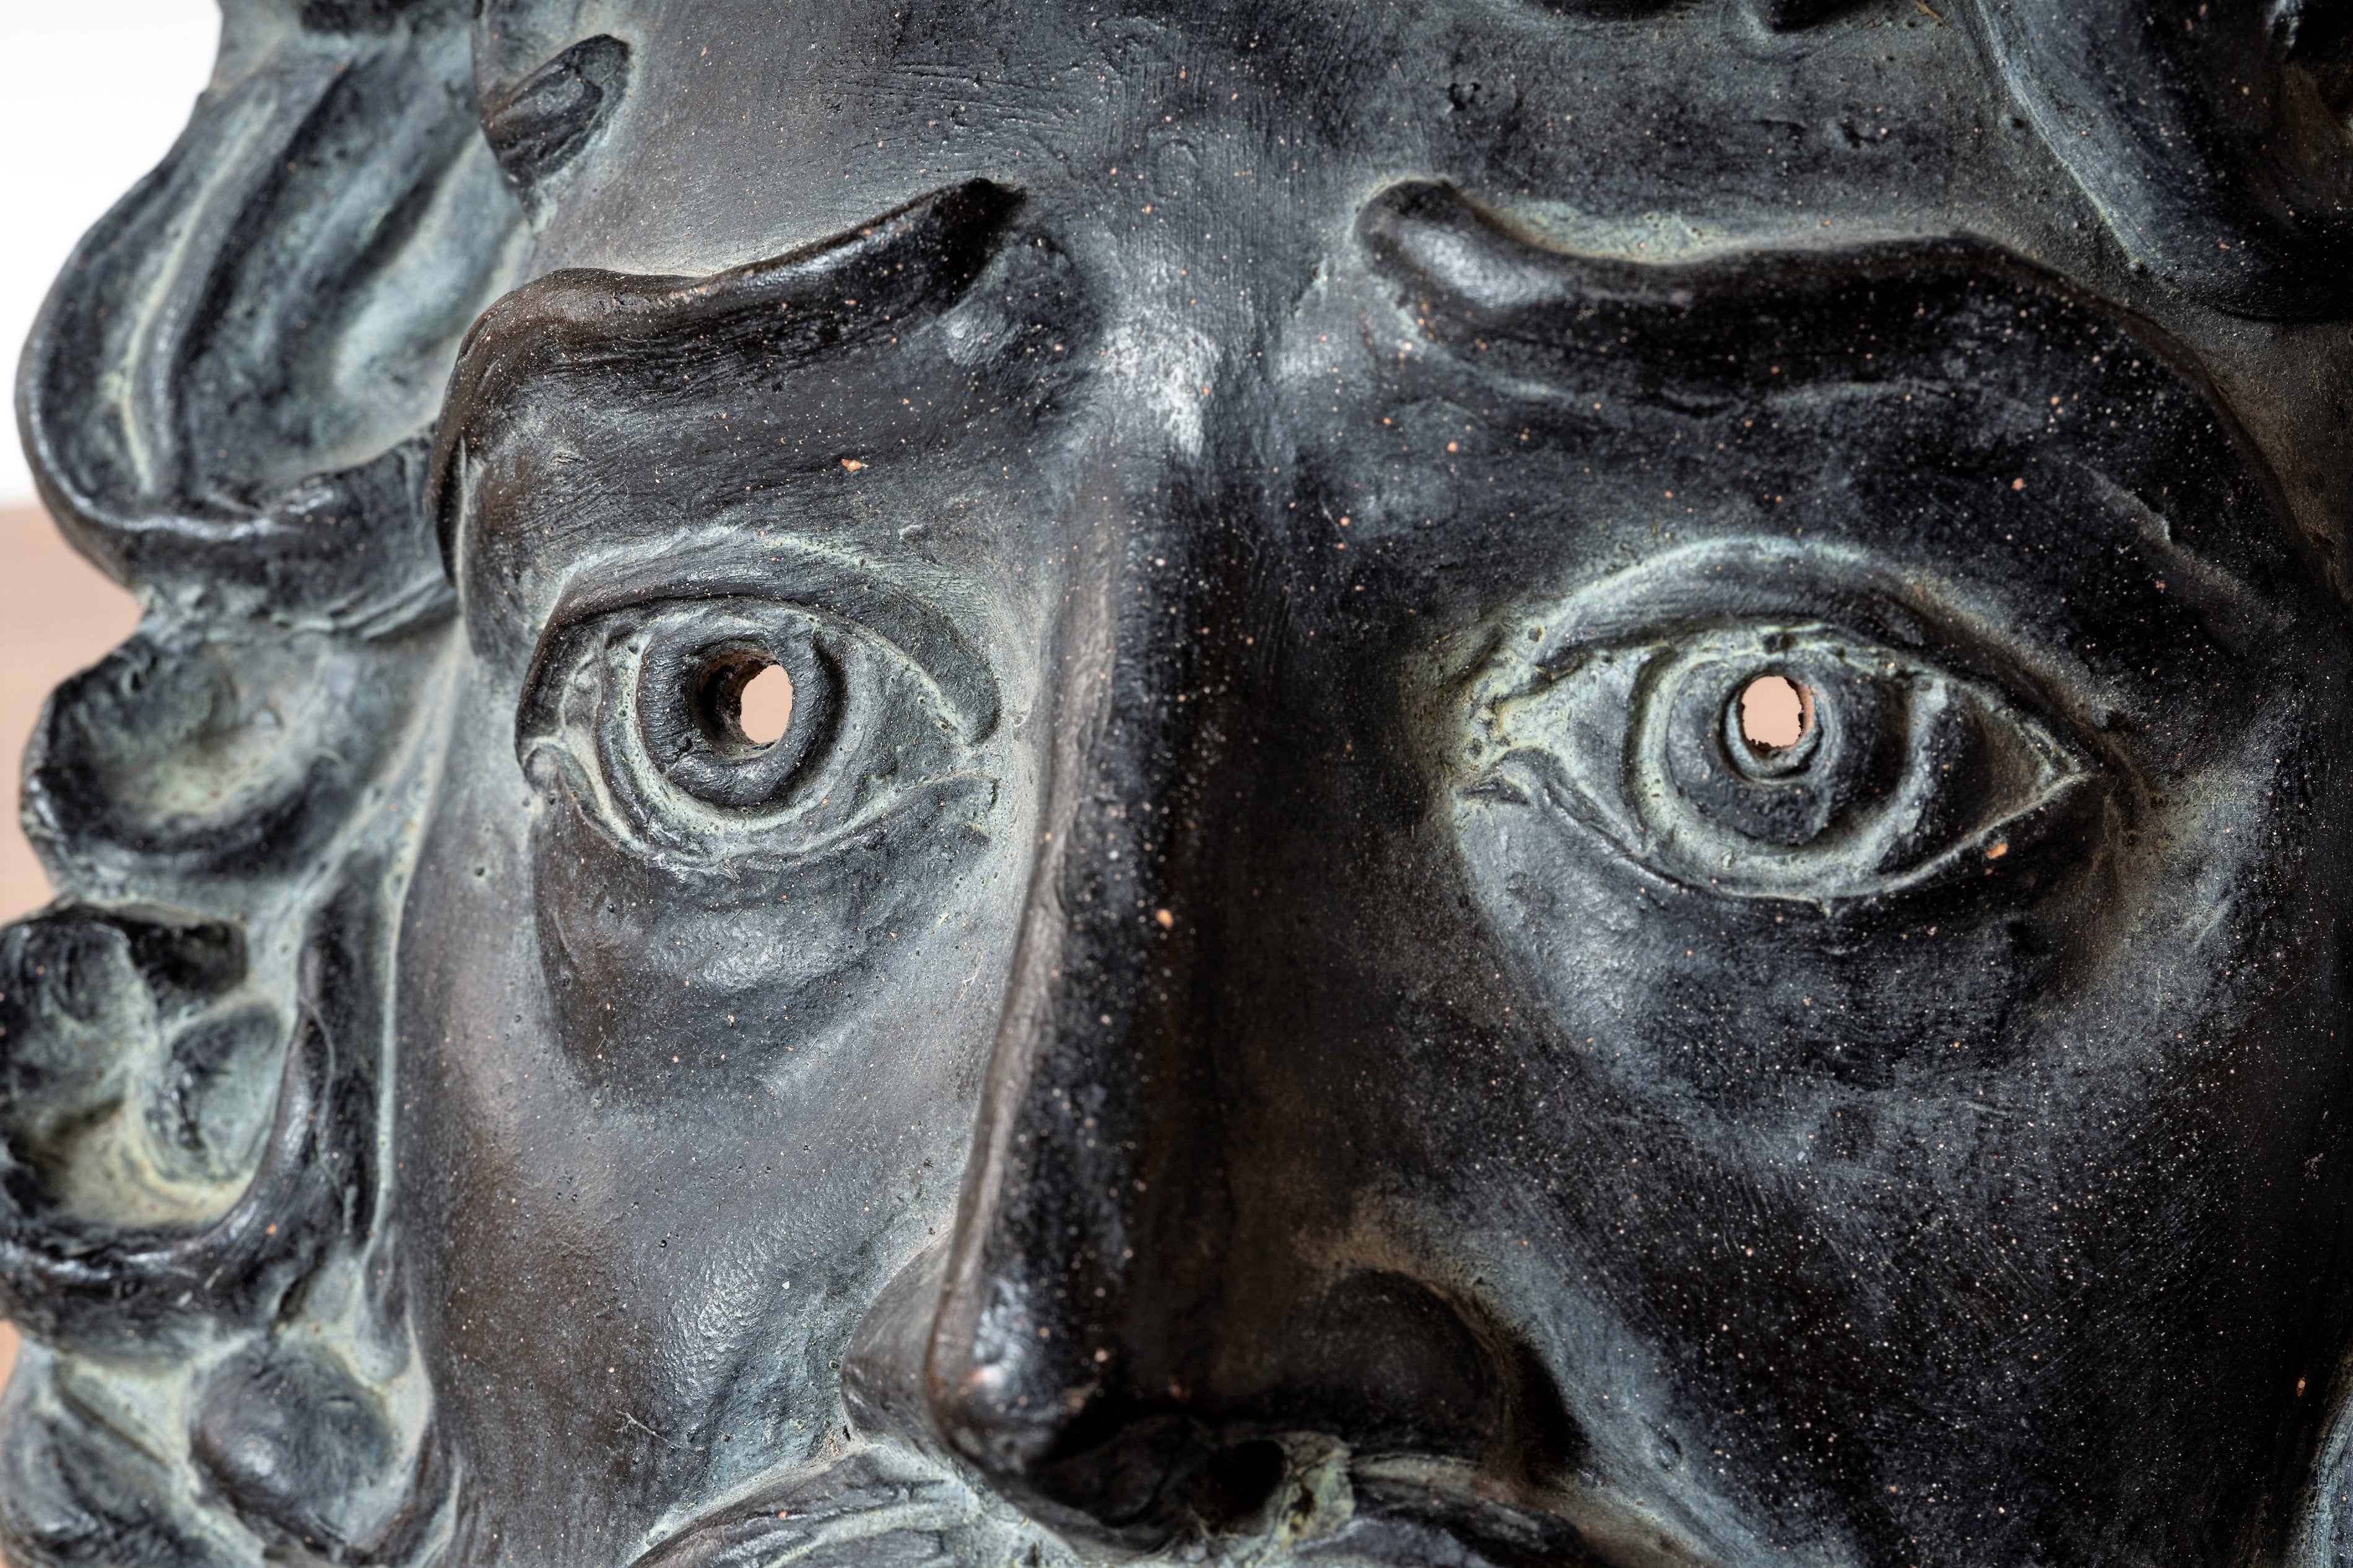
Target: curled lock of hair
{"points": [[194, 1038]]}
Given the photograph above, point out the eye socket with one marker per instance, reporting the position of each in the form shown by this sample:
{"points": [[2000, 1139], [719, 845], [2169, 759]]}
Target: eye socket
{"points": [[1895, 773], [637, 713]]}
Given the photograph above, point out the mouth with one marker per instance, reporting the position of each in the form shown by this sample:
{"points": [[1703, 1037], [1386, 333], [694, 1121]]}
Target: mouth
{"points": [[883, 1506]]}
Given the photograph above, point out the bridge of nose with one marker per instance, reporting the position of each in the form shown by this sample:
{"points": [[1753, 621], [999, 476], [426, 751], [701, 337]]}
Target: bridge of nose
{"points": [[1141, 1270], [1094, 1199]]}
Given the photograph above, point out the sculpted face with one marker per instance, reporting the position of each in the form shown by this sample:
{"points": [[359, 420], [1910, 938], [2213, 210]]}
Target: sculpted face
{"points": [[1272, 1001]]}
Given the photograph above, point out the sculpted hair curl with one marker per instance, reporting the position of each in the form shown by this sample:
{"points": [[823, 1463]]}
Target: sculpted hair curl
{"points": [[227, 400]]}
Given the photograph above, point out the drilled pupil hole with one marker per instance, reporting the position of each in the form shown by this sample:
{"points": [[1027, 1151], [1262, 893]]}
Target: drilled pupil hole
{"points": [[1776, 713], [748, 701], [764, 710]]}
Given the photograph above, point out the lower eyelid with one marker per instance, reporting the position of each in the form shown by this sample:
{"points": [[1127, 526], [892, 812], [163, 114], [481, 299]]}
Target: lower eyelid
{"points": [[1593, 724]]}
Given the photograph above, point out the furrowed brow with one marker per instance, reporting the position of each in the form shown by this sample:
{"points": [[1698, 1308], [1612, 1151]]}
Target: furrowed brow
{"points": [[1735, 323], [666, 341]]}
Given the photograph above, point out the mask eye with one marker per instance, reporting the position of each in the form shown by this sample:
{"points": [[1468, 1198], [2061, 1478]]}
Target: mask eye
{"points": [[1894, 774], [636, 712]]}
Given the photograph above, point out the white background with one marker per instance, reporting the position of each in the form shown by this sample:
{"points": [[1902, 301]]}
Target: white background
{"points": [[91, 94]]}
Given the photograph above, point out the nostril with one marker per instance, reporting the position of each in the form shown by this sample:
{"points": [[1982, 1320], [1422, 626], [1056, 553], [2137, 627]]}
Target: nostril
{"points": [[1159, 1478], [1238, 1482], [1376, 1364]]}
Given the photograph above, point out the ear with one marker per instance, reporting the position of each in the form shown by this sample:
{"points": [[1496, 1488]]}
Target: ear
{"points": [[2210, 134], [223, 395]]}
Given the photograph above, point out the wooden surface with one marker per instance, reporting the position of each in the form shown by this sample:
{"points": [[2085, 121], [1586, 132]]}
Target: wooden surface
{"points": [[57, 615]]}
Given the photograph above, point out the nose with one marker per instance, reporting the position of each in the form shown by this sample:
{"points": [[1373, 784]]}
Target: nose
{"points": [[1146, 1293]]}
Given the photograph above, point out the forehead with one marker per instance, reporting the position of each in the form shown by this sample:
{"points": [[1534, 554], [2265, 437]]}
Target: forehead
{"points": [[749, 129]]}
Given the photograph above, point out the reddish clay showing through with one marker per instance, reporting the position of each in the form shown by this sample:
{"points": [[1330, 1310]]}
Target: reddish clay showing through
{"points": [[1776, 712], [767, 706]]}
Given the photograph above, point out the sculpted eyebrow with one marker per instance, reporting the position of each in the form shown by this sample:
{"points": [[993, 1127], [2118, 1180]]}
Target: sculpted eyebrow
{"points": [[669, 340], [1951, 367], [1721, 328]]}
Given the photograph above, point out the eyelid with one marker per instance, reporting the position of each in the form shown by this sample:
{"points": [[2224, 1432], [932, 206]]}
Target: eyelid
{"points": [[1769, 580], [1587, 672], [785, 572], [1750, 578]]}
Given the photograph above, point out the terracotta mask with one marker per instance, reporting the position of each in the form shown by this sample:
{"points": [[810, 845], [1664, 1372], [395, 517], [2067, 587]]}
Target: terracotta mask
{"points": [[1565, 783]]}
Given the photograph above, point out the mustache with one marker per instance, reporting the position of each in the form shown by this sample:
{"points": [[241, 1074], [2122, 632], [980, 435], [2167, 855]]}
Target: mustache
{"points": [[882, 1505], [875, 1506]]}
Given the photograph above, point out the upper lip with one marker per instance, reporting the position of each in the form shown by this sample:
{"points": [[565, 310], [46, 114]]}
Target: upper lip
{"points": [[848, 1510]]}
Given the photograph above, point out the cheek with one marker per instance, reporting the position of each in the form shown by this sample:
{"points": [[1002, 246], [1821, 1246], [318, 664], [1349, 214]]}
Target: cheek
{"points": [[2114, 1101], [472, 1015], [642, 964], [1732, 1004], [800, 1162]]}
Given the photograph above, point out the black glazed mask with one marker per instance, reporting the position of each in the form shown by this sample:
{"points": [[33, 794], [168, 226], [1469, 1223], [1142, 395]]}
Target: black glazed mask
{"points": [[1267, 1002]]}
